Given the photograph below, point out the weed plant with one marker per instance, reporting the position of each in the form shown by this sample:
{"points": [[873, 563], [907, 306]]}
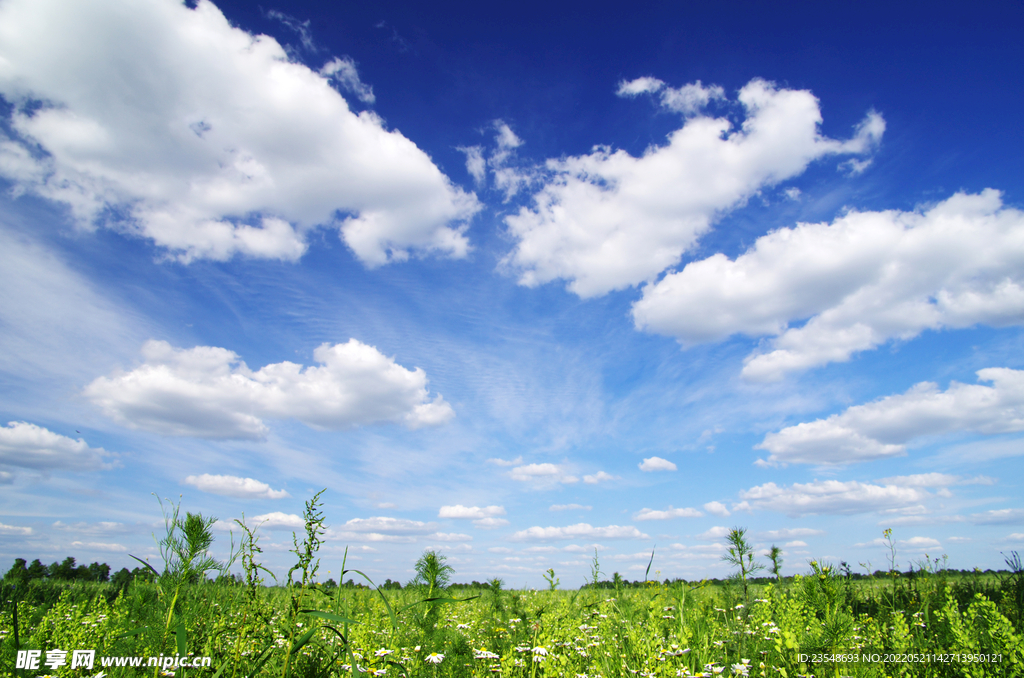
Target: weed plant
{"points": [[608, 629]]}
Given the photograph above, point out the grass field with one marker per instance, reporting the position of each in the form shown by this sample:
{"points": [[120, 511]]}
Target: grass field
{"points": [[827, 622]]}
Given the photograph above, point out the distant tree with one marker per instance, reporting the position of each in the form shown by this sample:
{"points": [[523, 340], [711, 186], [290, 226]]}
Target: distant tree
{"points": [[18, 572], [97, 572], [65, 570], [122, 578], [36, 570]]}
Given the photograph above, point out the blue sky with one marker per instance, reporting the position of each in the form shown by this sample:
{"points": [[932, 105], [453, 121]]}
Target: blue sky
{"points": [[514, 282]]}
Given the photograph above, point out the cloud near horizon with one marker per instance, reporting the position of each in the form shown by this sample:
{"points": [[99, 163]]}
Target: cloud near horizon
{"points": [[208, 392]]}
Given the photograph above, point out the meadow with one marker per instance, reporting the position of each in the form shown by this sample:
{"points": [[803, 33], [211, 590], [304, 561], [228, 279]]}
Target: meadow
{"points": [[927, 621]]}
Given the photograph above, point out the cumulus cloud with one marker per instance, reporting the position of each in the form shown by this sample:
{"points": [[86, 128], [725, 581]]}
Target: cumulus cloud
{"points": [[209, 392], [542, 474], [716, 508], [717, 532], [998, 517], [26, 445], [826, 291], [579, 530], [884, 427], [344, 72], [233, 486], [936, 480], [386, 525], [608, 220], [474, 512], [598, 477], [106, 547], [829, 497], [656, 464], [450, 536], [790, 532], [168, 123], [505, 462], [276, 520], [15, 530], [689, 99], [651, 514], [483, 517]]}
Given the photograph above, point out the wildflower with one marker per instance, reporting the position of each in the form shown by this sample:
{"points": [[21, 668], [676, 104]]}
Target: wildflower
{"points": [[540, 651], [739, 606], [382, 653], [434, 658], [462, 626], [484, 653]]}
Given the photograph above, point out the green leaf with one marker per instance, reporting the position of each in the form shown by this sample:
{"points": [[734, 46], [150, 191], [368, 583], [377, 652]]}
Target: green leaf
{"points": [[303, 639], [181, 639], [336, 618], [133, 632]]}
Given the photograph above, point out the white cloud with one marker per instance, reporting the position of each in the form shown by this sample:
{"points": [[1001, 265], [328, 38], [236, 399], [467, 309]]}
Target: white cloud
{"points": [[998, 517], [344, 72], [716, 508], [490, 523], [386, 525], [474, 512], [936, 480], [795, 544], [208, 392], [100, 546], [920, 543], [650, 514], [579, 530], [476, 165], [207, 140], [608, 220], [276, 520], [233, 486], [505, 462], [482, 517], [26, 445], [882, 428], [569, 507], [15, 530], [598, 477], [717, 532], [829, 497], [790, 532], [656, 464], [688, 99], [827, 291], [450, 536], [542, 474]]}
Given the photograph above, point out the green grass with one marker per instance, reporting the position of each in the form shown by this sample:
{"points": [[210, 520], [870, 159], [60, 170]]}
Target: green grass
{"points": [[670, 630]]}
